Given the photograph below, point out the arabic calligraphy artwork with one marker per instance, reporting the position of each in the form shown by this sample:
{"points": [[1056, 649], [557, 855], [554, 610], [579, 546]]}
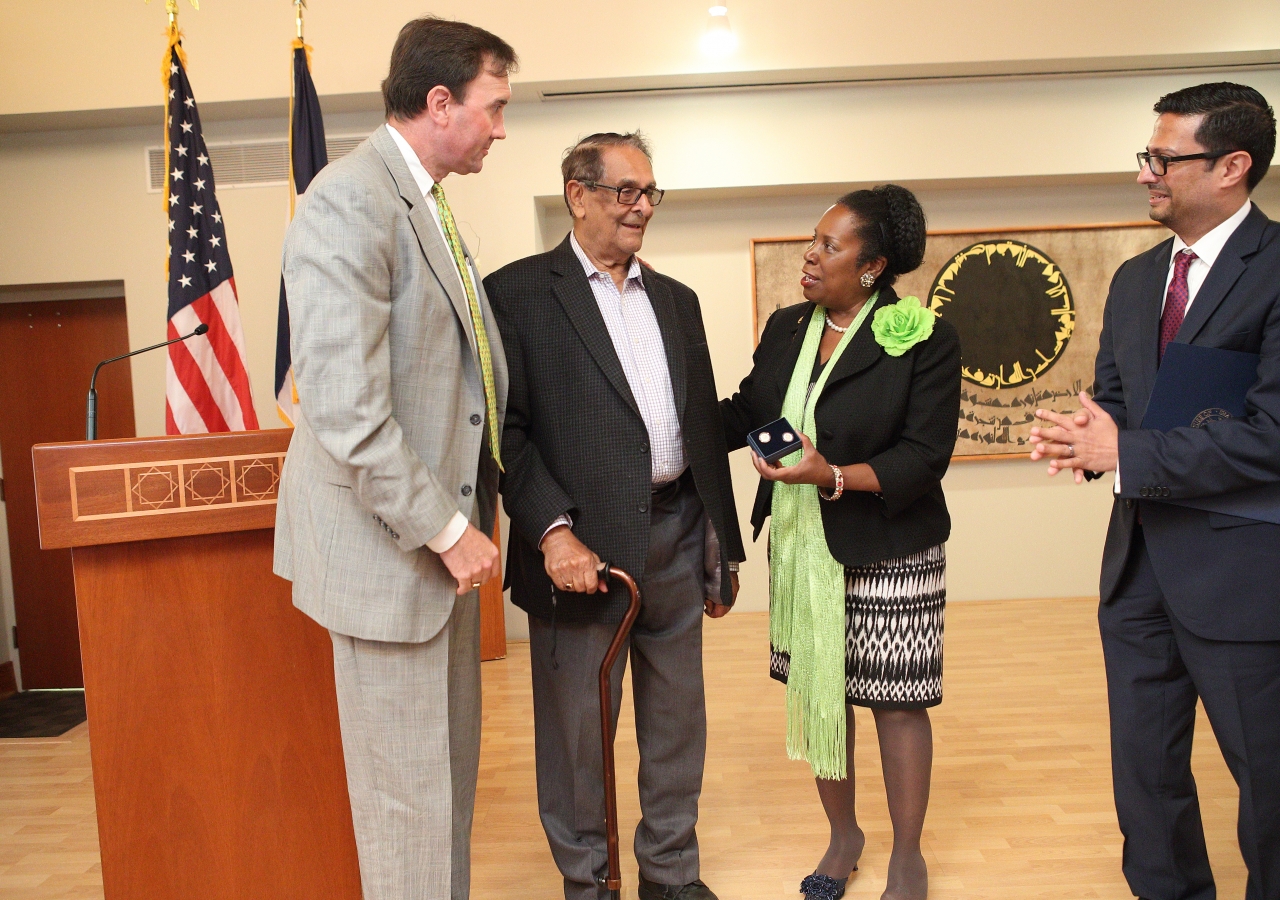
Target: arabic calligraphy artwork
{"points": [[1027, 303], [1024, 332]]}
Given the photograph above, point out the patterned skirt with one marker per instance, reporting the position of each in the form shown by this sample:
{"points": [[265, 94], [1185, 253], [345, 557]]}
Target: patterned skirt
{"points": [[893, 632]]}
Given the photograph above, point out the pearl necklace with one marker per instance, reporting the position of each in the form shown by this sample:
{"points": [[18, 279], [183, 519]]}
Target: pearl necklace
{"points": [[833, 326]]}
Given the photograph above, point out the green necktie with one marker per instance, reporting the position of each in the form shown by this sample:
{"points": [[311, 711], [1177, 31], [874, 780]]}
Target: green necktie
{"points": [[477, 321]]}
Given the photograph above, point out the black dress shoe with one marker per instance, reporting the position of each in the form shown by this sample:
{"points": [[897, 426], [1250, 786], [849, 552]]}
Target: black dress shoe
{"points": [[694, 890], [824, 887], [808, 880]]}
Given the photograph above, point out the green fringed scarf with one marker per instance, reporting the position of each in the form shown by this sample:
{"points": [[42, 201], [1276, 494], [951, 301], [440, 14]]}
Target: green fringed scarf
{"points": [[806, 584]]}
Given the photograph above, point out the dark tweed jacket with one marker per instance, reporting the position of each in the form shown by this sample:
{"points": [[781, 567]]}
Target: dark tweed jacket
{"points": [[897, 414], [574, 441]]}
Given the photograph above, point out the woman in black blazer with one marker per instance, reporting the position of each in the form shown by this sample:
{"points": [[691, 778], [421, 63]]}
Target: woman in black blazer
{"points": [[857, 557]]}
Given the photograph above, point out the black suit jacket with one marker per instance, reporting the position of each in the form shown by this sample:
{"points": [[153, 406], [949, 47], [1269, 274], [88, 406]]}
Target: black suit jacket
{"points": [[897, 414], [1220, 574], [574, 441]]}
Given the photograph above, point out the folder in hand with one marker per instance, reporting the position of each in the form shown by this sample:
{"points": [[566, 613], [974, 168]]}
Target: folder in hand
{"points": [[1199, 385]]}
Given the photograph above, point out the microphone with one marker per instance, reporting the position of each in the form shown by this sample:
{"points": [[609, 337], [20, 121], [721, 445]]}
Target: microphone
{"points": [[91, 413]]}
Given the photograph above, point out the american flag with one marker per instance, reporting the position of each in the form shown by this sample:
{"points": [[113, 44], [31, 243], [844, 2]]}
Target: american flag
{"points": [[206, 379]]}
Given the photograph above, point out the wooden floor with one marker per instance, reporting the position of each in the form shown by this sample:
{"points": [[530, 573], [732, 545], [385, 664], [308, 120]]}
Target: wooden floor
{"points": [[1021, 802]]}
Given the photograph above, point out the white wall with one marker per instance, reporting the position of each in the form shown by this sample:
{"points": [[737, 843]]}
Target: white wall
{"points": [[106, 55]]}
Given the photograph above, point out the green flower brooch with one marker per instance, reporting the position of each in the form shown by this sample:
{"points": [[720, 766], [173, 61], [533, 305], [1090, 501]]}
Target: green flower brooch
{"points": [[900, 327]]}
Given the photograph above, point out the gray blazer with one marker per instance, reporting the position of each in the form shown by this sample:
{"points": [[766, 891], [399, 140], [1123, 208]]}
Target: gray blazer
{"points": [[391, 439]]}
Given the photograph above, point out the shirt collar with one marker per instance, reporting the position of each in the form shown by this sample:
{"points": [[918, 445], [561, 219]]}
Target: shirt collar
{"points": [[1209, 246], [419, 172], [590, 268]]}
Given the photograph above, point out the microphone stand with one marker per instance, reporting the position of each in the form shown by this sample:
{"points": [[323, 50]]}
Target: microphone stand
{"points": [[91, 411]]}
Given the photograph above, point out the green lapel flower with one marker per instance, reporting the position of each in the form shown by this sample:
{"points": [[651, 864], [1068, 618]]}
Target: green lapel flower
{"points": [[901, 326]]}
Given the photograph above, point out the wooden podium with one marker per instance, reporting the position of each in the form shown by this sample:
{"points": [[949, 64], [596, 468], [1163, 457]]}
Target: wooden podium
{"points": [[217, 762]]}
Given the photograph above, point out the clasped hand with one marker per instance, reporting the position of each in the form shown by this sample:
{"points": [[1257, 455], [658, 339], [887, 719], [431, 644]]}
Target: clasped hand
{"points": [[1084, 440]]}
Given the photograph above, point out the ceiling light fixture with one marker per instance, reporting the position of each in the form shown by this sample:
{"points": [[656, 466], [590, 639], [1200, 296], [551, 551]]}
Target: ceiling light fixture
{"points": [[718, 40]]}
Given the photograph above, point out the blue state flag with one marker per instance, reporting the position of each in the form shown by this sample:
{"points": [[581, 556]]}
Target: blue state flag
{"points": [[307, 156]]}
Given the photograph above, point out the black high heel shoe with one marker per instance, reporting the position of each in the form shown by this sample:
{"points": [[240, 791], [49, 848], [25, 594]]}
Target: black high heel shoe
{"points": [[824, 887]]}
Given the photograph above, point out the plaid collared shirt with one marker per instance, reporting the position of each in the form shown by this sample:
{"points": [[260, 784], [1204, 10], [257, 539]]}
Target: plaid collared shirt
{"points": [[633, 327]]}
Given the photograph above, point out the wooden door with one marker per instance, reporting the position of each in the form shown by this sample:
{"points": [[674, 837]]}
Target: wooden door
{"points": [[47, 354]]}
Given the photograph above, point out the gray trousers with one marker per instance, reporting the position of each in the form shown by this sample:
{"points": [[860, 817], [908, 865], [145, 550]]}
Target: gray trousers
{"points": [[665, 647], [410, 720]]}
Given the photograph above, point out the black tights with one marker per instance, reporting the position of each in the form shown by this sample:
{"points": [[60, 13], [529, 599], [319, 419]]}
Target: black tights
{"points": [[906, 758]]}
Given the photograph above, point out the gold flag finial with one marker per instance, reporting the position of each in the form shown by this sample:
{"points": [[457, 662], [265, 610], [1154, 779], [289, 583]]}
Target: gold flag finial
{"points": [[171, 7], [299, 6]]}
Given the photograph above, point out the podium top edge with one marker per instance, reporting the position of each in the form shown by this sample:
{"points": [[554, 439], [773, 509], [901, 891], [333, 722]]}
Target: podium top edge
{"points": [[180, 445]]}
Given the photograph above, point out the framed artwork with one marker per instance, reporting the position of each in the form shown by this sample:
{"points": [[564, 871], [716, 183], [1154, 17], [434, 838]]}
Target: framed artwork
{"points": [[1027, 303]]}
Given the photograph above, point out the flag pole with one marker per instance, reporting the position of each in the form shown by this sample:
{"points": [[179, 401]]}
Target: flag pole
{"points": [[298, 42]]}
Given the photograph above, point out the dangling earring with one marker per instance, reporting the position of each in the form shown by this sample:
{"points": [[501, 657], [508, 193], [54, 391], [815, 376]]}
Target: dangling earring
{"points": [[867, 279]]}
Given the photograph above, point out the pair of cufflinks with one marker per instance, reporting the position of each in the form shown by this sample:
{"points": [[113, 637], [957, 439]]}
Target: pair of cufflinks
{"points": [[774, 441]]}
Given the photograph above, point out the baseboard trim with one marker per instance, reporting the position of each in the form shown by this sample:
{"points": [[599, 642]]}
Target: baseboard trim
{"points": [[8, 680]]}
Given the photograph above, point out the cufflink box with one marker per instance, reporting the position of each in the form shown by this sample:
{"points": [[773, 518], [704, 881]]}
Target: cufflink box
{"points": [[774, 441]]}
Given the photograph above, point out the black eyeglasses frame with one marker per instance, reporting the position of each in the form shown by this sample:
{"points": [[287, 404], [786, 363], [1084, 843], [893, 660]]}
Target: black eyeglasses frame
{"points": [[654, 195], [1145, 158]]}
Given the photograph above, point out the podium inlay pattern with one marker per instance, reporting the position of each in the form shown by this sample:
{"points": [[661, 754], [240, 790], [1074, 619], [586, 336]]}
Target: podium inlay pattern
{"points": [[175, 486]]}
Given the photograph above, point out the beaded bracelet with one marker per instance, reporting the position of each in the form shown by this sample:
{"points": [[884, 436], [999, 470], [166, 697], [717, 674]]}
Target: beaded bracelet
{"points": [[835, 495]]}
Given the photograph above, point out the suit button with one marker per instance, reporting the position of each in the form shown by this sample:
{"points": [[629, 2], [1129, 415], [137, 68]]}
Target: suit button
{"points": [[475, 419], [466, 490], [644, 507], [396, 536], [1164, 492], [1145, 492], [1128, 504], [644, 448]]}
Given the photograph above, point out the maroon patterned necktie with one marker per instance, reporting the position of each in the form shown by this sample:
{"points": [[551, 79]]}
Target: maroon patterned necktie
{"points": [[1175, 301]]}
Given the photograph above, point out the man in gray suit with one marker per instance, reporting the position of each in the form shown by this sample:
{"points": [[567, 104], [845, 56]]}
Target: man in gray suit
{"points": [[389, 490]]}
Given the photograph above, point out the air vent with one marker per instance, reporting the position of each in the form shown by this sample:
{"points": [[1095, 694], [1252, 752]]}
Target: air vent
{"points": [[248, 163]]}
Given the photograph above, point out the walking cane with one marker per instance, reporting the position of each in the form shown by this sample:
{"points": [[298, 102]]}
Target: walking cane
{"points": [[613, 881]]}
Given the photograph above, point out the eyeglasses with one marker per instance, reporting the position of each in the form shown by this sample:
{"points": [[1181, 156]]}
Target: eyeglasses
{"points": [[628, 196], [1159, 165]]}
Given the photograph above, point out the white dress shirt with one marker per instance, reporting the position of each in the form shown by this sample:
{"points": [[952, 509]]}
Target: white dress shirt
{"points": [[451, 532], [1207, 250]]}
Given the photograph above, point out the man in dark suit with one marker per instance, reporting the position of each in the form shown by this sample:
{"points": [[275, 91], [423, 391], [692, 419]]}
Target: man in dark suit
{"points": [[614, 451], [1190, 599]]}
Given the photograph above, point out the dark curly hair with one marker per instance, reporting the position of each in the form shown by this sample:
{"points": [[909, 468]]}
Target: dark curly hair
{"points": [[890, 223], [1236, 117]]}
